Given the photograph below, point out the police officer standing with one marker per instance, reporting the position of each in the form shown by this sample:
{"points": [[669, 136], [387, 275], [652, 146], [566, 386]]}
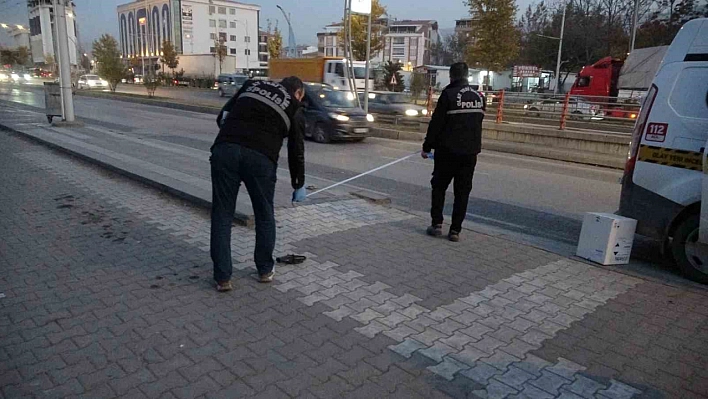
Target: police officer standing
{"points": [[455, 133], [253, 125]]}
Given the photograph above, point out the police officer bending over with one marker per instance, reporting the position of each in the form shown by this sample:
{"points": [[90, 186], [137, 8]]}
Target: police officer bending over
{"points": [[455, 133], [253, 125]]}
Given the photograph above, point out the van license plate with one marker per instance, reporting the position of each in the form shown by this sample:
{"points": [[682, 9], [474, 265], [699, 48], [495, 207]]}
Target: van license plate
{"points": [[361, 130]]}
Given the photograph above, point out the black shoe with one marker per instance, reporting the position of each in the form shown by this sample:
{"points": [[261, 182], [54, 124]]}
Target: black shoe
{"points": [[454, 236], [435, 230]]}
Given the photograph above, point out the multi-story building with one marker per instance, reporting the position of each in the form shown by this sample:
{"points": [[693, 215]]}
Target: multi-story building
{"points": [[409, 42], [41, 26], [464, 27], [328, 43], [263, 53], [196, 28], [20, 35]]}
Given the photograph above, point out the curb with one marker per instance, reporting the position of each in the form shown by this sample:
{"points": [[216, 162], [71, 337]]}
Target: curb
{"points": [[240, 218], [203, 109]]}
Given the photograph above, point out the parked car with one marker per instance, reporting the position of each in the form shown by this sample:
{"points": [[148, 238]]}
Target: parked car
{"points": [[577, 109], [391, 103], [181, 82], [332, 115], [229, 84], [91, 82]]}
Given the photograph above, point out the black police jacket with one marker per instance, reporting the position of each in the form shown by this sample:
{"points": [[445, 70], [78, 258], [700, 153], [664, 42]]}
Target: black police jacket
{"points": [[259, 117], [456, 124]]}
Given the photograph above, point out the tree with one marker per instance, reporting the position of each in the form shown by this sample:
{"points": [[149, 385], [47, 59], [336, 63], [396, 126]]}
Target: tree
{"points": [[418, 84], [50, 62], [110, 66], [451, 49], [169, 56], [275, 42], [666, 20], [360, 31], [221, 52], [7, 57], [392, 70], [496, 41], [22, 55]]}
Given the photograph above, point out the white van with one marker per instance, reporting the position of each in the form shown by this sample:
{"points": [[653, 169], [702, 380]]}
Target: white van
{"points": [[663, 179]]}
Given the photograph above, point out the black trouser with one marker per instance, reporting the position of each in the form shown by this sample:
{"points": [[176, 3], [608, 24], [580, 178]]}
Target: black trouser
{"points": [[232, 164], [449, 167]]}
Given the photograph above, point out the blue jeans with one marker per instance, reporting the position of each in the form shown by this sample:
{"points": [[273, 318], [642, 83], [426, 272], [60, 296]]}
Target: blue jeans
{"points": [[232, 164]]}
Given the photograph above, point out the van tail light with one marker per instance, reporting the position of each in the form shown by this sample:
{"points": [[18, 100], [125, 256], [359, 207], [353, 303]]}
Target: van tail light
{"points": [[637, 133]]}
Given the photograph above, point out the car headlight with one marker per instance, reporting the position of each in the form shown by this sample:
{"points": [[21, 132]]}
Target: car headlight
{"points": [[341, 118], [369, 117], [28, 76], [411, 112], [424, 112], [526, 106]]}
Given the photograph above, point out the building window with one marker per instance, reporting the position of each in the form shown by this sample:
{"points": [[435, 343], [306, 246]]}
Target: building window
{"points": [[222, 23], [263, 48], [399, 40], [222, 37], [233, 38], [212, 10], [414, 42], [263, 58], [222, 10], [399, 51], [264, 39], [232, 11], [212, 23], [247, 52], [232, 25], [212, 36], [329, 41], [247, 39], [329, 52], [212, 50], [232, 51]]}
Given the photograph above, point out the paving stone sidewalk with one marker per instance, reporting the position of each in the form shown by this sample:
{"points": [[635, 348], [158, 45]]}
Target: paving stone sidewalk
{"points": [[105, 291]]}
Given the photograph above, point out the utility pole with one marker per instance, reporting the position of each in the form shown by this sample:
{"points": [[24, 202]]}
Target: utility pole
{"points": [[635, 18], [64, 60], [368, 63], [560, 49]]}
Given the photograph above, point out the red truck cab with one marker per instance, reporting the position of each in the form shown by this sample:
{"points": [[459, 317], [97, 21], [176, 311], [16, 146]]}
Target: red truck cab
{"points": [[598, 79]]}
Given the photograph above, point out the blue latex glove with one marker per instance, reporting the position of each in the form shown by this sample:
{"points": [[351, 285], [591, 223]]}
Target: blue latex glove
{"points": [[431, 155], [300, 194]]}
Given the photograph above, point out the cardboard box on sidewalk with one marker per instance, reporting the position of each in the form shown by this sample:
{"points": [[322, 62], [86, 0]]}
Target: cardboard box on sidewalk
{"points": [[606, 238]]}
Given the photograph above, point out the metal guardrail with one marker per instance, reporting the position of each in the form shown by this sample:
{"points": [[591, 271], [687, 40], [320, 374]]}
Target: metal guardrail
{"points": [[612, 114], [563, 108]]}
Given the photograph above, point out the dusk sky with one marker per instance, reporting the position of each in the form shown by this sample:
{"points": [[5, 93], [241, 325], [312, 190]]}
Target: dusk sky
{"points": [[308, 16]]}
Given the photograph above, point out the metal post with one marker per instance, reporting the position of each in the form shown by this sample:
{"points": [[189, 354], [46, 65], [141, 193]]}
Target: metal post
{"points": [[560, 49], [564, 114], [635, 18], [65, 61], [500, 108], [368, 63]]}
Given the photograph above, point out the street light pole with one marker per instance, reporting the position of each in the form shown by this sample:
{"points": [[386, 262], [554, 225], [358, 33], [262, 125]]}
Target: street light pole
{"points": [[368, 63], [635, 18], [143, 43], [560, 49], [64, 61]]}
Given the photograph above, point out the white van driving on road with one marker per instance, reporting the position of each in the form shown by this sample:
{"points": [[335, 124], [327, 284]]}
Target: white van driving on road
{"points": [[663, 181]]}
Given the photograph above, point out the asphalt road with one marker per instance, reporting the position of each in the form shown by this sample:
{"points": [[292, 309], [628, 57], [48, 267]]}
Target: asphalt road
{"points": [[539, 200]]}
